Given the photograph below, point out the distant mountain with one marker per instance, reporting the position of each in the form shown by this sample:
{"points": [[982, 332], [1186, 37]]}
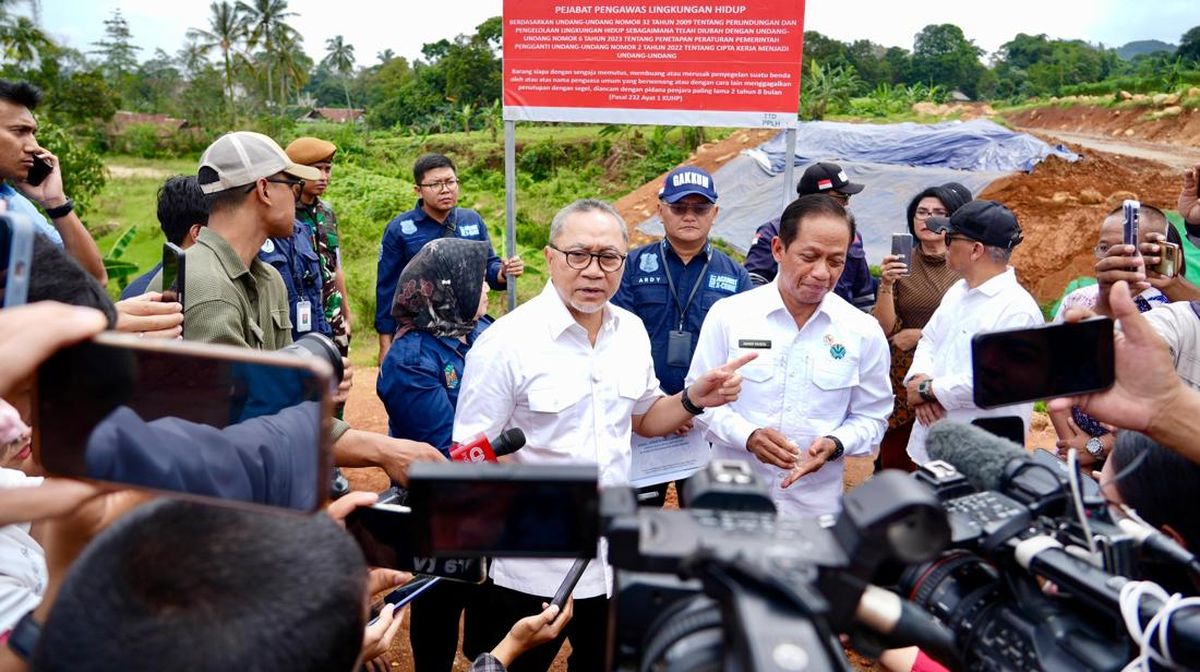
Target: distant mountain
{"points": [[1132, 49]]}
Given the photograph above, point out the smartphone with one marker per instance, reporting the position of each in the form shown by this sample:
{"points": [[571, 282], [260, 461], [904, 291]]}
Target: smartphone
{"points": [[194, 420], [172, 273], [902, 245], [16, 255], [38, 172], [1009, 427], [384, 532], [505, 510], [1132, 212], [569, 582], [404, 594], [1168, 260], [1054, 360]]}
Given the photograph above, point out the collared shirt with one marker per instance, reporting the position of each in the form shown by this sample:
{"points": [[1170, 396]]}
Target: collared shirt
{"points": [[829, 377], [405, 236], [419, 383], [18, 203], [300, 268], [646, 293], [944, 351], [225, 302], [855, 284], [535, 369], [23, 576], [1179, 325]]}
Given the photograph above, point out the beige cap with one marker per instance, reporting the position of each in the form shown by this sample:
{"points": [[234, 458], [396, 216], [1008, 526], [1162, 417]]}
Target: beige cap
{"points": [[242, 157]]}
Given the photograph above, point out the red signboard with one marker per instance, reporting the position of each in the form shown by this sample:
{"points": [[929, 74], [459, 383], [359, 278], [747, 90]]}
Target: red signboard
{"points": [[677, 63]]}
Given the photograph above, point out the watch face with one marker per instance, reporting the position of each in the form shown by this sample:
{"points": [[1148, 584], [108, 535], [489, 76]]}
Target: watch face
{"points": [[1094, 447]]}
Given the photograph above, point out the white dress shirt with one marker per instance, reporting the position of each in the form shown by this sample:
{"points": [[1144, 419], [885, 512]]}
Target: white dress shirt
{"points": [[535, 369], [829, 377], [23, 575], [944, 351]]}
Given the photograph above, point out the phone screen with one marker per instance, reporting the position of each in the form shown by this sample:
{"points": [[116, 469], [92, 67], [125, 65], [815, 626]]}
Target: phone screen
{"points": [[505, 510], [1055, 360], [1008, 427], [197, 420], [172, 273]]}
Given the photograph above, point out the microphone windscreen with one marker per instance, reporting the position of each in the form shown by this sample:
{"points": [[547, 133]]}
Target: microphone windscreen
{"points": [[976, 453], [509, 441]]}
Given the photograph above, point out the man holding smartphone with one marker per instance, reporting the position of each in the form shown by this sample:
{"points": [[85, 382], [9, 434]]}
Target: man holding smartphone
{"points": [[980, 237], [30, 174]]}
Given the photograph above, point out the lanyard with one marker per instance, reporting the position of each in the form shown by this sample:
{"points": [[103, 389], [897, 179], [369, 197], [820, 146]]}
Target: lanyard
{"points": [[450, 226], [683, 308]]}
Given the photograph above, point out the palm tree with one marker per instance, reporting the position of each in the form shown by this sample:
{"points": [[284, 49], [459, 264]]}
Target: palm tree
{"points": [[23, 41], [340, 57], [263, 22], [224, 33], [293, 63]]}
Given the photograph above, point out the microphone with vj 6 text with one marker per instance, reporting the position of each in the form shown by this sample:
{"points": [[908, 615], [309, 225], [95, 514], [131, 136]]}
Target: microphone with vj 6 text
{"points": [[1016, 522]]}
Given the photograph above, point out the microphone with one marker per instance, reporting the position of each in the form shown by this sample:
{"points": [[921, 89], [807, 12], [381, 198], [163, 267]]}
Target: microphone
{"points": [[1158, 544], [990, 462], [480, 449], [905, 624]]}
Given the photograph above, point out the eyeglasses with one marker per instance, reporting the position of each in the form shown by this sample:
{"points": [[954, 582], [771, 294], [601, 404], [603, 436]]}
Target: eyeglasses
{"points": [[296, 185], [681, 209], [441, 185], [922, 213], [951, 238], [839, 197], [609, 262]]}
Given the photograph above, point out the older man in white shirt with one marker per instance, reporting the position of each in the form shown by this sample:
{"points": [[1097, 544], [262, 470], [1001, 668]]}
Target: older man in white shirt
{"points": [[819, 388], [574, 372], [980, 237]]}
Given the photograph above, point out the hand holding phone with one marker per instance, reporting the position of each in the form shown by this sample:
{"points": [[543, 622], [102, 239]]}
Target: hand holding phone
{"points": [[39, 171]]}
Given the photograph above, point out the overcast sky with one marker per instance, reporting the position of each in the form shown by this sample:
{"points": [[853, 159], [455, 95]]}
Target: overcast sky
{"points": [[404, 25]]}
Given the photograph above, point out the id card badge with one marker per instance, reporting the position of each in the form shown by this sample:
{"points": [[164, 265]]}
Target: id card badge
{"points": [[679, 348], [303, 316]]}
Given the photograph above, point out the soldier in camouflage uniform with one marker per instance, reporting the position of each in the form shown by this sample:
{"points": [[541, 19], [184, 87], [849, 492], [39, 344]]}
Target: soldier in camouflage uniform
{"points": [[322, 227]]}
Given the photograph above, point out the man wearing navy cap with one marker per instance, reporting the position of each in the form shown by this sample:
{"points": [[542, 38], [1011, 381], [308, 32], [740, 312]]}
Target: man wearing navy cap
{"points": [[856, 284], [671, 284], [980, 237]]}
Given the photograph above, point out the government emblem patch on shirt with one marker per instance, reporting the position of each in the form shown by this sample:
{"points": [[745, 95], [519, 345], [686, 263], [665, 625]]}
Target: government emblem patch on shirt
{"points": [[268, 246], [451, 377], [649, 263], [408, 227]]}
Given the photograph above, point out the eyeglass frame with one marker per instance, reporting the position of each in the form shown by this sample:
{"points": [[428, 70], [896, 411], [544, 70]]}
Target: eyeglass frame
{"points": [[297, 185], [441, 185], [591, 255], [694, 208]]}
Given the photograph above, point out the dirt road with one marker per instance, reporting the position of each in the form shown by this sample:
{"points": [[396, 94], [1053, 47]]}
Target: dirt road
{"points": [[1175, 156]]}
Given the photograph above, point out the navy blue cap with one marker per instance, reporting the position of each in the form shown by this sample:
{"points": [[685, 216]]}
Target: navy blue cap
{"points": [[686, 181]]}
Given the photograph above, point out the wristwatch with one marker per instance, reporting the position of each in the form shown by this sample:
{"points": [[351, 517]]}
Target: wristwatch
{"points": [[1095, 447], [838, 448], [925, 389]]}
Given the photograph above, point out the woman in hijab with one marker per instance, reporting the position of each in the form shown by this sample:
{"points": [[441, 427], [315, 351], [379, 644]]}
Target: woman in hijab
{"points": [[439, 301], [439, 309]]}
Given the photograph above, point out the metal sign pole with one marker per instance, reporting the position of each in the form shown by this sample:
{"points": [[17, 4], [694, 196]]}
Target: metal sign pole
{"points": [[789, 168], [510, 202]]}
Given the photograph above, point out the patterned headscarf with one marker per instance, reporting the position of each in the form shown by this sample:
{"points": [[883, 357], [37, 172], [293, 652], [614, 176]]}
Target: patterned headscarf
{"points": [[439, 289]]}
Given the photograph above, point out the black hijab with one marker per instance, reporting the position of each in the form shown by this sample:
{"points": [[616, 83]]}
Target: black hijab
{"points": [[438, 291]]}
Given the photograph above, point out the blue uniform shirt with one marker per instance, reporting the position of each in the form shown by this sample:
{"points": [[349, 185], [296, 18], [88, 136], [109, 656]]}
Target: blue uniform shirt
{"points": [[418, 384], [405, 236], [645, 292], [298, 263], [141, 284], [18, 203], [856, 284]]}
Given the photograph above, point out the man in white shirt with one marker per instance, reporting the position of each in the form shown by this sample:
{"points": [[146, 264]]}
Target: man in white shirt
{"points": [[820, 383], [574, 372], [980, 237]]}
